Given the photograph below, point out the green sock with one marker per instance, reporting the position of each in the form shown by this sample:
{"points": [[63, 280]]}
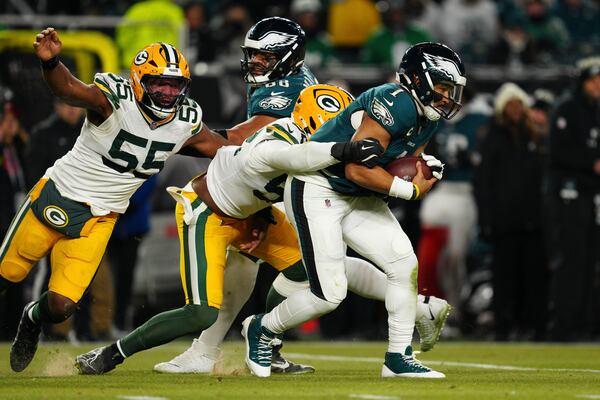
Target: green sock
{"points": [[295, 272], [273, 299], [169, 325], [41, 310]]}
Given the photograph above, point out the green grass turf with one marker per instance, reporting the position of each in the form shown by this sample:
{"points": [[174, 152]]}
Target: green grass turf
{"points": [[344, 371]]}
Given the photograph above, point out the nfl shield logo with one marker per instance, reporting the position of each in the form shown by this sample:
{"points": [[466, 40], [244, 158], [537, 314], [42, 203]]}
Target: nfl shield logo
{"points": [[327, 203]]}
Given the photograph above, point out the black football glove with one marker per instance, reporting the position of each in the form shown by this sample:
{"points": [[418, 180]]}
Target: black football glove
{"points": [[366, 152]]}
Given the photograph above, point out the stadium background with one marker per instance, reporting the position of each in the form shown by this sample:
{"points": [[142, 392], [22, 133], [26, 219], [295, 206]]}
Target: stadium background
{"points": [[533, 43]]}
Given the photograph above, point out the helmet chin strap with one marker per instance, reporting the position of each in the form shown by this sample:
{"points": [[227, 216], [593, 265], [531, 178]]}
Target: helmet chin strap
{"points": [[431, 113], [428, 111]]}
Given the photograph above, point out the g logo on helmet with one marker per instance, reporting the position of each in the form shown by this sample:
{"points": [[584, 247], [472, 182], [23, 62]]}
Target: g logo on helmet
{"points": [[328, 103], [56, 216], [141, 57]]}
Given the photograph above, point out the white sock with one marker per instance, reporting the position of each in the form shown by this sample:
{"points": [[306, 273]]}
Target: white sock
{"points": [[422, 308], [401, 304], [238, 283], [300, 307]]}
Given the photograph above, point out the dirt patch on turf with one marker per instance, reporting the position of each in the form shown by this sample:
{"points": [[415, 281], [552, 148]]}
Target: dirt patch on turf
{"points": [[59, 363], [231, 363]]}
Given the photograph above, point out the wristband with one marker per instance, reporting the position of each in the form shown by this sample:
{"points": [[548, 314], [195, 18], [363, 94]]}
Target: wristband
{"points": [[402, 189], [416, 192], [50, 64]]}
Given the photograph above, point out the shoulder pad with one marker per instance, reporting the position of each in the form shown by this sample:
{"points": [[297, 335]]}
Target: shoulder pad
{"points": [[115, 88]]}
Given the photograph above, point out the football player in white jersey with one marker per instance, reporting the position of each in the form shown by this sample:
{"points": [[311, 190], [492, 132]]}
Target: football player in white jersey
{"points": [[275, 74], [218, 209], [132, 127]]}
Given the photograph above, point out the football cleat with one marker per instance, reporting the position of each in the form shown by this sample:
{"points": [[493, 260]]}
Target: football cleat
{"points": [[259, 345], [406, 366], [25, 345], [431, 317], [280, 365], [99, 361], [192, 361]]}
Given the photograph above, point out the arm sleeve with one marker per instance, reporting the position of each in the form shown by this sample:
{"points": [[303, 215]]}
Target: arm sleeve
{"points": [[281, 156]]}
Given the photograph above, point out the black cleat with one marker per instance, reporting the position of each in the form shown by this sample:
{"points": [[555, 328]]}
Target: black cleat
{"points": [[99, 361], [280, 365], [25, 345]]}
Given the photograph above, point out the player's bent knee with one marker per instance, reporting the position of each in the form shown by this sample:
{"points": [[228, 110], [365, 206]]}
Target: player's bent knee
{"points": [[200, 317], [404, 268], [324, 306], [60, 307], [12, 271]]}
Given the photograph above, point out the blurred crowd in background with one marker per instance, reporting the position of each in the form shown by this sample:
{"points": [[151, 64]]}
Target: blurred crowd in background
{"points": [[510, 237]]}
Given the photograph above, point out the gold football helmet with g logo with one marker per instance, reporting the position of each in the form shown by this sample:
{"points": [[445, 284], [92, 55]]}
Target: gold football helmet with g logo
{"points": [[317, 104], [160, 78]]}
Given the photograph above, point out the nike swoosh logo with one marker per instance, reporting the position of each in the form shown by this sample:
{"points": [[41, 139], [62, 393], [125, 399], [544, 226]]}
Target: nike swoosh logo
{"points": [[432, 316], [389, 103], [366, 147], [276, 93]]}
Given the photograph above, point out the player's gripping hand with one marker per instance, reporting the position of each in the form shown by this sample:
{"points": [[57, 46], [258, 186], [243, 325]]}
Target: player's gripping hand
{"points": [[365, 151], [423, 184], [47, 45], [436, 166]]}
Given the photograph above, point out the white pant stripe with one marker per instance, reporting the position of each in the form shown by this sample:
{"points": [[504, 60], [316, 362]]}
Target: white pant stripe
{"points": [[193, 255], [14, 225]]}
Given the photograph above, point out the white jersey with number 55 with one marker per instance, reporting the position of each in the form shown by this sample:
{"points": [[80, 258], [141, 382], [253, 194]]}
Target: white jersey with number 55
{"points": [[245, 179], [109, 162]]}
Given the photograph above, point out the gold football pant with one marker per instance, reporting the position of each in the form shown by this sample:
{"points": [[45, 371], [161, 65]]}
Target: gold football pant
{"points": [[204, 242], [73, 261]]}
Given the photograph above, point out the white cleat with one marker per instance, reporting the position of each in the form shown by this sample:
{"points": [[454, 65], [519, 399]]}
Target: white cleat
{"points": [[432, 313], [194, 360]]}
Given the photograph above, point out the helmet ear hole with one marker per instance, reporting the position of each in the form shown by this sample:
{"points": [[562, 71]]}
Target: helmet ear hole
{"points": [[319, 103]]}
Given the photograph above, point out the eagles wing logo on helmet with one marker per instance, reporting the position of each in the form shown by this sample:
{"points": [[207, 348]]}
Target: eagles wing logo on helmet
{"points": [[445, 65], [275, 102], [381, 112], [272, 40]]}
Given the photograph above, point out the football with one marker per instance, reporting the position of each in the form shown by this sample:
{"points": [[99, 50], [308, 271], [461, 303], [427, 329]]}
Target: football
{"points": [[406, 168]]}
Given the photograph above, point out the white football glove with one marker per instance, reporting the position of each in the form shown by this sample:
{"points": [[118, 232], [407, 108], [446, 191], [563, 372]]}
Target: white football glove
{"points": [[437, 167]]}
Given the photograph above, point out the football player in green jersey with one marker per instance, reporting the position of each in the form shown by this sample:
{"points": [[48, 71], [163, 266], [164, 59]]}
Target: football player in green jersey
{"points": [[338, 207], [275, 74]]}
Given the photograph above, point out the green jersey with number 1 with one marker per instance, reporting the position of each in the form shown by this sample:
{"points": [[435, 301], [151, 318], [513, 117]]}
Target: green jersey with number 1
{"points": [[109, 162]]}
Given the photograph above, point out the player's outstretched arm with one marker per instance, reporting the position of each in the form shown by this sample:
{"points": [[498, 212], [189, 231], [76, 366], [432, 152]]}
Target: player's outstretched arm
{"points": [[313, 156], [237, 134], [204, 144], [61, 82]]}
